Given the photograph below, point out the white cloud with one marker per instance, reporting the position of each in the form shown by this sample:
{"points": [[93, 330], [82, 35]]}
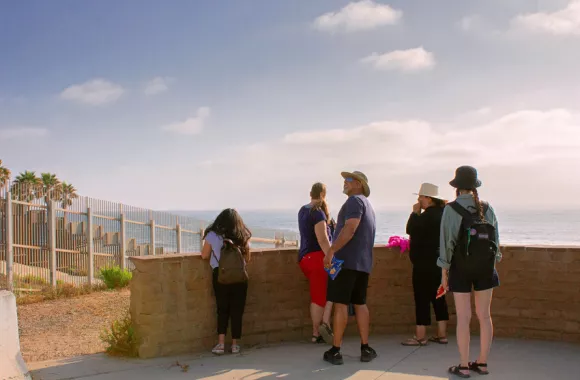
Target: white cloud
{"points": [[95, 92], [191, 126], [410, 60], [22, 132], [157, 85], [392, 148], [563, 22], [524, 158], [357, 16]]}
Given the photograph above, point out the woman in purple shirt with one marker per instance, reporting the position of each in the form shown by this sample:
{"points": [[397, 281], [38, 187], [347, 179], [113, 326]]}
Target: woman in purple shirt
{"points": [[314, 225]]}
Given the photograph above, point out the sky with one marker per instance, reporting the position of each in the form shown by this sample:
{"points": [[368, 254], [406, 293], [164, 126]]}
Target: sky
{"points": [[202, 105]]}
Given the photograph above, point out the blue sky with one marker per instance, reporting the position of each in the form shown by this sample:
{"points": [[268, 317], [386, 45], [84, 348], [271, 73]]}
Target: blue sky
{"points": [[203, 105]]}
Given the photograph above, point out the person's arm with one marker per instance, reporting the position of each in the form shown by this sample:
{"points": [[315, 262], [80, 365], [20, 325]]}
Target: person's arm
{"points": [[353, 214], [321, 232], [450, 224], [206, 251], [492, 218], [207, 246], [413, 224]]}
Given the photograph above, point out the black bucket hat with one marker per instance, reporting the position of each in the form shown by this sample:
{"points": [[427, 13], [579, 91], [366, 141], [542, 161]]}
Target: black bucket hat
{"points": [[465, 178]]}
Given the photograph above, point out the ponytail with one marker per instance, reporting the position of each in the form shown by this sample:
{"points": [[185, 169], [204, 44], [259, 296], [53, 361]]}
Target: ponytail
{"points": [[316, 193], [478, 205]]}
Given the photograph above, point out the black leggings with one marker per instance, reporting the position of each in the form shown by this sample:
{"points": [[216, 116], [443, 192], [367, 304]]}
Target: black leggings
{"points": [[425, 284], [231, 301]]}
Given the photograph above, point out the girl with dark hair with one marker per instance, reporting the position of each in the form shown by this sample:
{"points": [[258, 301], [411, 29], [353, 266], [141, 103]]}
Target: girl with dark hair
{"points": [[468, 254], [423, 228], [314, 224], [230, 298]]}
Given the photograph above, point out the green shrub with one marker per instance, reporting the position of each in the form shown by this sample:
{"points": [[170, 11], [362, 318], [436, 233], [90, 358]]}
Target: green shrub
{"points": [[115, 277], [120, 338]]}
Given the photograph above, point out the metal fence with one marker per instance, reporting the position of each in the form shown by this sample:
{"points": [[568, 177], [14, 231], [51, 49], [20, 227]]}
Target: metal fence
{"points": [[45, 240]]}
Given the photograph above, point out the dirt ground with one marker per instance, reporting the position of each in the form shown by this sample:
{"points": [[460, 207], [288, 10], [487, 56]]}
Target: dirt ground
{"points": [[69, 326]]}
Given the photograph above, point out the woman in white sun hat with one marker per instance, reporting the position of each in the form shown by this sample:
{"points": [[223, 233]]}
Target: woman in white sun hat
{"points": [[424, 227]]}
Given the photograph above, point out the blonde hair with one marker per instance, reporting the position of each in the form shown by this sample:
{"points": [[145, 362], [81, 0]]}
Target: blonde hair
{"points": [[318, 189]]}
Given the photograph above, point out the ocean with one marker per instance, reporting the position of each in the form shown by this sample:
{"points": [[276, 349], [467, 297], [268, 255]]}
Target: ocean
{"points": [[522, 227]]}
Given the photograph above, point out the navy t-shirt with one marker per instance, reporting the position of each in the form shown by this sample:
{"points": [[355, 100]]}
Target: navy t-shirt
{"points": [[307, 219], [358, 252]]}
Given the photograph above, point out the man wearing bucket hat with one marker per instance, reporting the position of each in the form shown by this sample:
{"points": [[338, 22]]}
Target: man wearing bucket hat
{"points": [[353, 242]]}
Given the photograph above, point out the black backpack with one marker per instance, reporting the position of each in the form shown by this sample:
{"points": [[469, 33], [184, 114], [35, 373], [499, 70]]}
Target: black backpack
{"points": [[232, 266], [477, 244]]}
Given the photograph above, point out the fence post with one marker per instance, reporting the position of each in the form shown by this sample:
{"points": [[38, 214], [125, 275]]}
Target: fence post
{"points": [[152, 224], [123, 237], [9, 242], [201, 233], [90, 246], [178, 234], [51, 212]]}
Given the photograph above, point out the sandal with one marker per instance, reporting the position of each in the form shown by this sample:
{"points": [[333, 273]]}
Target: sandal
{"points": [[326, 333], [439, 339], [475, 366], [456, 370], [317, 339], [414, 342]]}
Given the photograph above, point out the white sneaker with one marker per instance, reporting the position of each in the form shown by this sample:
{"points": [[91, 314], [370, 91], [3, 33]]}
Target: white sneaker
{"points": [[219, 349], [235, 349]]}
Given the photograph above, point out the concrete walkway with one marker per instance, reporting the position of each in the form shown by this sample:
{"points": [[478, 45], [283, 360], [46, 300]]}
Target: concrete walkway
{"points": [[510, 359]]}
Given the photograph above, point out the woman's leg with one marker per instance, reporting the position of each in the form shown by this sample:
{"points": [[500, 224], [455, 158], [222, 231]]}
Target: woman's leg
{"points": [[422, 297], [312, 266], [223, 308], [238, 294], [482, 309], [440, 306], [316, 313], [463, 308]]}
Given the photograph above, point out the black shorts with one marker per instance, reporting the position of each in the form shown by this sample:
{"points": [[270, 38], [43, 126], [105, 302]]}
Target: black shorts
{"points": [[462, 281], [349, 287]]}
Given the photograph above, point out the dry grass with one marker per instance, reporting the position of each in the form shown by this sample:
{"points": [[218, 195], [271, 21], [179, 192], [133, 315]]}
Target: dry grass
{"points": [[66, 327], [47, 293]]}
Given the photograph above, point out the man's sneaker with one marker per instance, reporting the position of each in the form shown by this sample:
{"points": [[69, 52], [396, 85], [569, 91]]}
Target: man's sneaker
{"points": [[326, 333], [333, 357], [367, 354]]}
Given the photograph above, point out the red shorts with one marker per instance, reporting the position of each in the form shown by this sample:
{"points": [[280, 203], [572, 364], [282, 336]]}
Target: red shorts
{"points": [[312, 265]]}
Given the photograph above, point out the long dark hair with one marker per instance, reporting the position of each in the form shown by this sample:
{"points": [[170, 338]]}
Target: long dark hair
{"points": [[438, 202], [478, 205], [316, 194], [229, 225]]}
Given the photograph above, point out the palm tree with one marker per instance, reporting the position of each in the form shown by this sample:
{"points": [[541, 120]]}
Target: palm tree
{"points": [[51, 187], [4, 175], [67, 194], [27, 186]]}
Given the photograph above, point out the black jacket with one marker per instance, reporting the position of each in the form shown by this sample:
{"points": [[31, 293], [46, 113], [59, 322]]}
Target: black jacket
{"points": [[424, 231]]}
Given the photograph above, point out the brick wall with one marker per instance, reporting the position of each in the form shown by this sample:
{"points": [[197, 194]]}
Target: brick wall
{"points": [[173, 308]]}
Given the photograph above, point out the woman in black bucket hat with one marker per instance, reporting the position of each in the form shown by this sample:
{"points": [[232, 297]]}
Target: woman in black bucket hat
{"points": [[469, 249]]}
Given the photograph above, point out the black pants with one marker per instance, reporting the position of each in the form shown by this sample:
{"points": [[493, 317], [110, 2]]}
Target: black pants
{"points": [[426, 280], [231, 301]]}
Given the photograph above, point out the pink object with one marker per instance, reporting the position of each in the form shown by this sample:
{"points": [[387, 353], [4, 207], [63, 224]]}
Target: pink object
{"points": [[399, 241]]}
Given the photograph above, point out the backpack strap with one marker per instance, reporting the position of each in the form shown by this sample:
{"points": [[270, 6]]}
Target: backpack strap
{"points": [[465, 214]]}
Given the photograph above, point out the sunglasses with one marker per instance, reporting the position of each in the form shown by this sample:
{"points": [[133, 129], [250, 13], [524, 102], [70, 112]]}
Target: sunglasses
{"points": [[349, 179]]}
